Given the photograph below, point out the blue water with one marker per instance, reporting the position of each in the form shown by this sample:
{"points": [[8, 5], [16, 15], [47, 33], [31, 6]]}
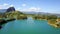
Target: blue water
{"points": [[29, 26]]}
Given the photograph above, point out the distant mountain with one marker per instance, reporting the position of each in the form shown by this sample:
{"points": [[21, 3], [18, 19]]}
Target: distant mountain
{"points": [[2, 10], [29, 12], [43, 13], [32, 12]]}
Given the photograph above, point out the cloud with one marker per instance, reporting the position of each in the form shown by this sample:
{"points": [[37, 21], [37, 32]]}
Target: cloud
{"points": [[11, 5], [18, 9], [35, 9], [0, 7], [5, 6], [23, 5]]}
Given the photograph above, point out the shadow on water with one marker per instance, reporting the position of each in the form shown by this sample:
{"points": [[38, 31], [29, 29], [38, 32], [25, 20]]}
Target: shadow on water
{"points": [[2, 22], [0, 26]]}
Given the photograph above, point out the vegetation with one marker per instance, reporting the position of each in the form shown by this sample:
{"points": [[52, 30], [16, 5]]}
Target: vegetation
{"points": [[52, 19], [10, 16], [16, 15]]}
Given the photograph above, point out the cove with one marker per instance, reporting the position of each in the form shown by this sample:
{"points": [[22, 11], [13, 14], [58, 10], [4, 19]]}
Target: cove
{"points": [[28, 26]]}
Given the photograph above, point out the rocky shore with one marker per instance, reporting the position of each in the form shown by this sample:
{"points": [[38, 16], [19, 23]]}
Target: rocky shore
{"points": [[2, 21], [0, 26]]}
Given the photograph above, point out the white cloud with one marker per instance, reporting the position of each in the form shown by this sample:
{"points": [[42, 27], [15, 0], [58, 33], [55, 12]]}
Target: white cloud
{"points": [[23, 5], [0, 7], [5, 6], [11, 5], [18, 9], [35, 9]]}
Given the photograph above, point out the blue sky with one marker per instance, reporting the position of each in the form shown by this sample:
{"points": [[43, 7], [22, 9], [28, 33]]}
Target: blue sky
{"points": [[52, 6]]}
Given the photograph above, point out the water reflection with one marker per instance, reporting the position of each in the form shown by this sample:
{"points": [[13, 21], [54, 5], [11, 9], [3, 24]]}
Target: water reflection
{"points": [[30, 20], [28, 26]]}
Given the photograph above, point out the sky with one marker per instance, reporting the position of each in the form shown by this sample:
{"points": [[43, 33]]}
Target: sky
{"points": [[50, 6]]}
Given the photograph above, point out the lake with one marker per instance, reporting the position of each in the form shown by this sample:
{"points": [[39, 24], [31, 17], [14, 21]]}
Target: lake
{"points": [[29, 26]]}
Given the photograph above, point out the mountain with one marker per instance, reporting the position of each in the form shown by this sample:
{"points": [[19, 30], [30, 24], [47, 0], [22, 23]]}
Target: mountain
{"points": [[7, 10], [32, 12], [42, 13], [2, 10], [10, 9], [29, 12]]}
